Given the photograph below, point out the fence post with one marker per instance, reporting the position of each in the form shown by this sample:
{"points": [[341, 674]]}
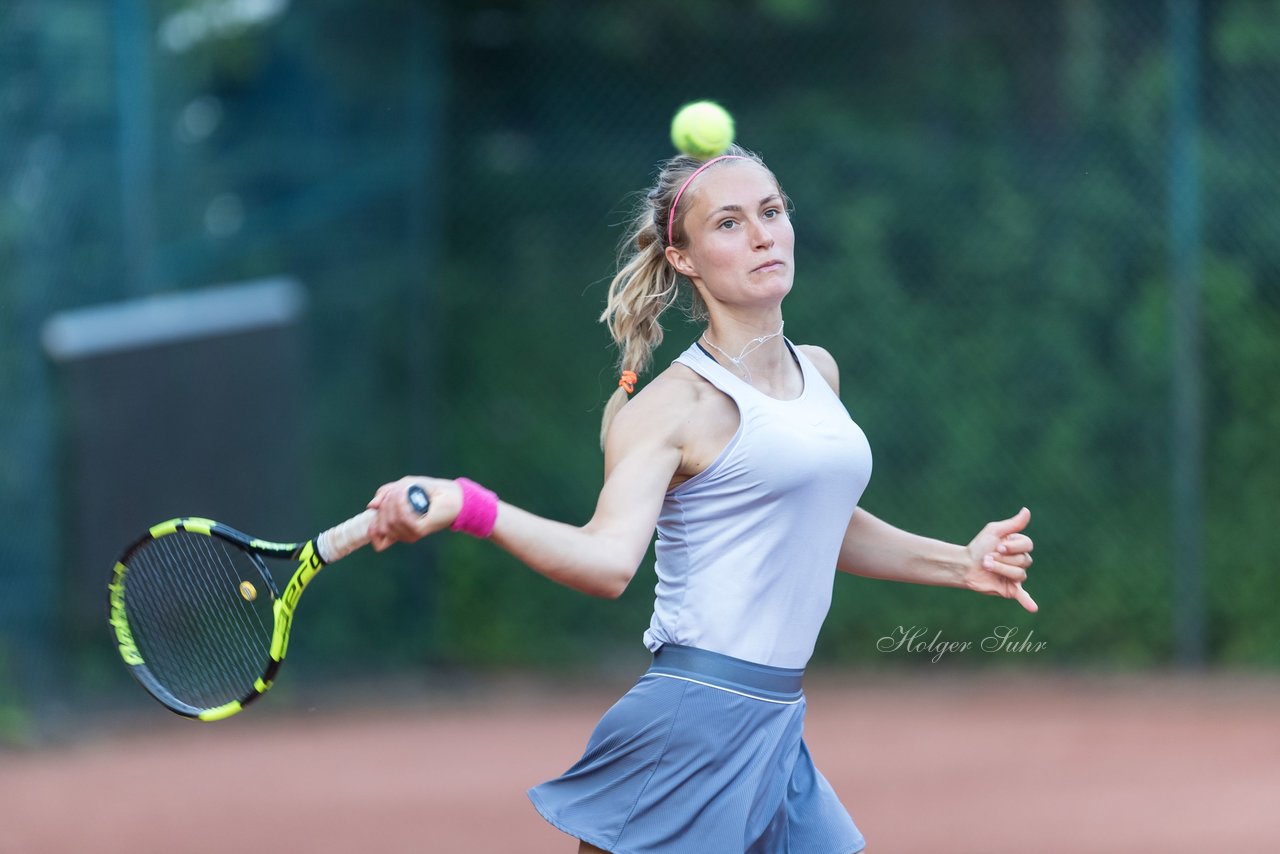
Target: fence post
{"points": [[1185, 235]]}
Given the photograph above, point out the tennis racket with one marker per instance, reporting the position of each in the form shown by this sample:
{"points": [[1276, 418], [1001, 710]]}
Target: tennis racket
{"points": [[197, 617]]}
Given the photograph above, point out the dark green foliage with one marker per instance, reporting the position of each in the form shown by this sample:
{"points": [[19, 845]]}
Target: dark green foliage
{"points": [[981, 208]]}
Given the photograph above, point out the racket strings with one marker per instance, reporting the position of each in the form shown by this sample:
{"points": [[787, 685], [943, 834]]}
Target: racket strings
{"points": [[172, 660], [167, 637], [218, 652], [199, 637], [221, 577], [174, 642], [238, 651]]}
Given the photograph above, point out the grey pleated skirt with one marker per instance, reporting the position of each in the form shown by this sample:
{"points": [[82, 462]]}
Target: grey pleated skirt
{"points": [[704, 755]]}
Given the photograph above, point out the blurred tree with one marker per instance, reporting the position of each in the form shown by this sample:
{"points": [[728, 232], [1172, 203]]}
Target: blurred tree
{"points": [[980, 201]]}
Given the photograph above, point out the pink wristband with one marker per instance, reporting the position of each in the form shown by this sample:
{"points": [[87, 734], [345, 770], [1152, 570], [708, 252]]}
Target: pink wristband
{"points": [[479, 509]]}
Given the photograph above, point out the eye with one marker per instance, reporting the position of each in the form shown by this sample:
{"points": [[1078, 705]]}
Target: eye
{"points": [[728, 224], [772, 213]]}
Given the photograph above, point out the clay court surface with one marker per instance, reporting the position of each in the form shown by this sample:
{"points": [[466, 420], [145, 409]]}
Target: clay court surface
{"points": [[927, 761]]}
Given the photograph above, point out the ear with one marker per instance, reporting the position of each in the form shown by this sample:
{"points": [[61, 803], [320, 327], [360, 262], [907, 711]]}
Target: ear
{"points": [[680, 261]]}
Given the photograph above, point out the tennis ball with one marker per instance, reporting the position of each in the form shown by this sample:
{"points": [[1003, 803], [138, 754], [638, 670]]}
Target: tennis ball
{"points": [[702, 129], [248, 591]]}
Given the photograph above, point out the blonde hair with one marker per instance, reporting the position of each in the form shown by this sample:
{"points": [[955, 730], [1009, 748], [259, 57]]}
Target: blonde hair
{"points": [[646, 285]]}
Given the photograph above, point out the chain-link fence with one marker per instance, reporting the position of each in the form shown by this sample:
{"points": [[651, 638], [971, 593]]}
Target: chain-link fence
{"points": [[1040, 240]]}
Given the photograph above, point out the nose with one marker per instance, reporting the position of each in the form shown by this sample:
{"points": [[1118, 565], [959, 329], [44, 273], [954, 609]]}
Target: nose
{"points": [[761, 236]]}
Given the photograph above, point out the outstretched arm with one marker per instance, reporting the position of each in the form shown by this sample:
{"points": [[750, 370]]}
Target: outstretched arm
{"points": [[995, 562], [599, 558]]}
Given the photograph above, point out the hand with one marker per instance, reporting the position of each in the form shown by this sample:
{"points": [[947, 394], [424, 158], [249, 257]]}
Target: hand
{"points": [[398, 522], [1000, 556]]}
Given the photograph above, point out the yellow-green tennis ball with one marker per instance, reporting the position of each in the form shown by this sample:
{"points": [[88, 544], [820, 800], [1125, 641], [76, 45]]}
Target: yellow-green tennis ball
{"points": [[702, 129]]}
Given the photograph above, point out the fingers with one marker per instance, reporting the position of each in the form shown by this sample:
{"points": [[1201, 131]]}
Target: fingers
{"points": [[1011, 557], [1015, 544], [399, 522], [391, 527], [1006, 568], [381, 495], [1013, 524], [395, 521], [377, 534], [1020, 560]]}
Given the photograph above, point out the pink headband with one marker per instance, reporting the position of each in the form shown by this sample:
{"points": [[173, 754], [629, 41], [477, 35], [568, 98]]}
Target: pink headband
{"points": [[671, 214]]}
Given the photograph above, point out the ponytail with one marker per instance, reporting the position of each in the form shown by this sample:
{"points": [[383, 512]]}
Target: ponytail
{"points": [[646, 285]]}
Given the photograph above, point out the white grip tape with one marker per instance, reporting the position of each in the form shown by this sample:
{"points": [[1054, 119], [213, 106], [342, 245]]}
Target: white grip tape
{"points": [[342, 539]]}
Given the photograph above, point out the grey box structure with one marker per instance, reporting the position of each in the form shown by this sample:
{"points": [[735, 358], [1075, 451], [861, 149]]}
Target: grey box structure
{"points": [[181, 404]]}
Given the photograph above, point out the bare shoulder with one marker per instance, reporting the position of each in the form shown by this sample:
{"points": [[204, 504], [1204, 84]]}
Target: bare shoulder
{"points": [[680, 418], [660, 410], [824, 362]]}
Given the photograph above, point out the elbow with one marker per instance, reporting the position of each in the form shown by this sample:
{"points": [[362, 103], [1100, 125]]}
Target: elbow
{"points": [[608, 567], [614, 581], [614, 587]]}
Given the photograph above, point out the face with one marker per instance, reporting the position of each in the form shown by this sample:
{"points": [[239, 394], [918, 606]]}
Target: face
{"points": [[740, 245]]}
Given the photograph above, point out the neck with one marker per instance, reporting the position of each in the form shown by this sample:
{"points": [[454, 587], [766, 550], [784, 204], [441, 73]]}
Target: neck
{"points": [[748, 349]]}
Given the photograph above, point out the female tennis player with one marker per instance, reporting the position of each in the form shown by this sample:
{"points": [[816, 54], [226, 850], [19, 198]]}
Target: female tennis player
{"points": [[743, 458]]}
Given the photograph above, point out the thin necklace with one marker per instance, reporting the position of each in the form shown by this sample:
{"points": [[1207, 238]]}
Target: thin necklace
{"points": [[752, 345]]}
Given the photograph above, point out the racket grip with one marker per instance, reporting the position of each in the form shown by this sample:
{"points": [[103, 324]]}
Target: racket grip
{"points": [[344, 538]]}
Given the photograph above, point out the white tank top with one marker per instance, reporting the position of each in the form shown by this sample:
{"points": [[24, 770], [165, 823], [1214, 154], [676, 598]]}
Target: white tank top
{"points": [[747, 548]]}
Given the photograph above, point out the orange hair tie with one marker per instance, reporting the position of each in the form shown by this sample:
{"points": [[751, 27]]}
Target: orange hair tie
{"points": [[628, 381]]}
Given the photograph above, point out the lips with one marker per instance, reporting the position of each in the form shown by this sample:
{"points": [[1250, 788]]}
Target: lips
{"points": [[768, 265]]}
